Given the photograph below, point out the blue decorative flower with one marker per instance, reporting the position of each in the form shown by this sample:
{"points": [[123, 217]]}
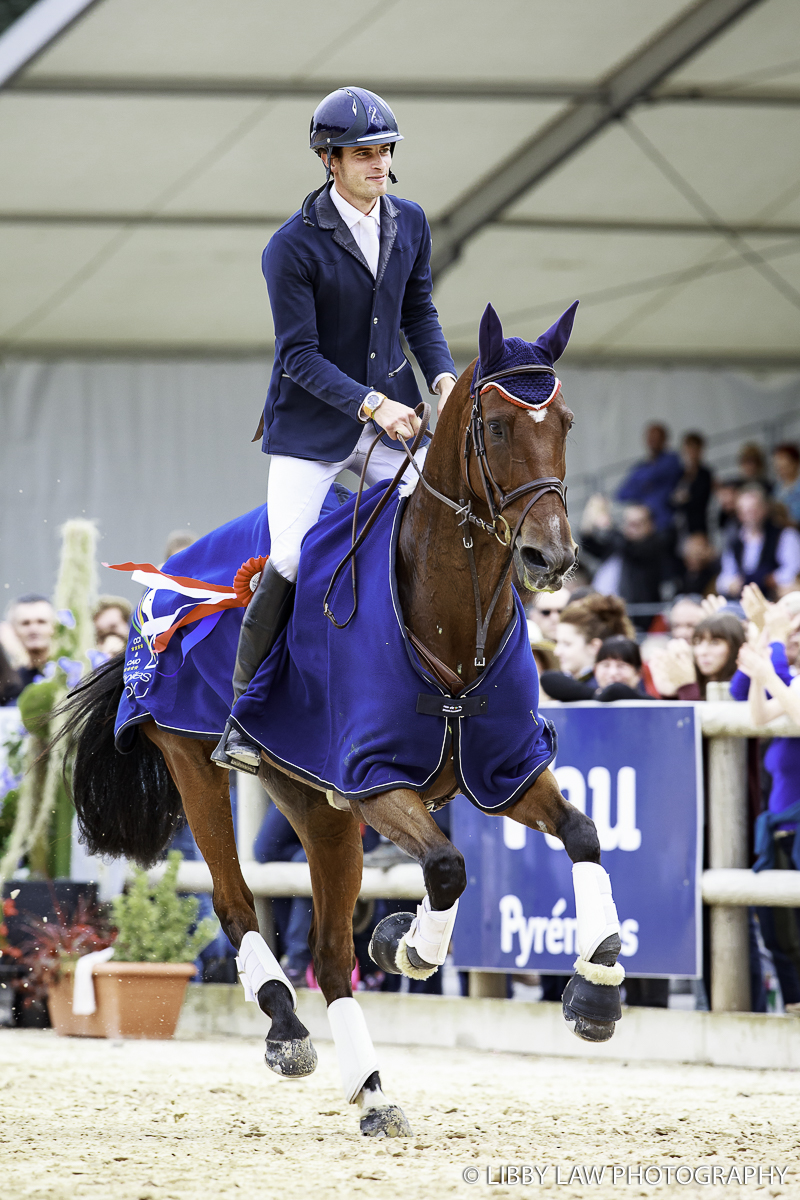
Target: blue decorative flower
{"points": [[73, 671]]}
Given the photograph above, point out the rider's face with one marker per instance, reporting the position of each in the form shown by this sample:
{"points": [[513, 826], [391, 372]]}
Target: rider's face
{"points": [[362, 173]]}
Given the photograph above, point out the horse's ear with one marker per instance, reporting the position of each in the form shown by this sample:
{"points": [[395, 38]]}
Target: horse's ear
{"points": [[490, 339], [554, 341]]}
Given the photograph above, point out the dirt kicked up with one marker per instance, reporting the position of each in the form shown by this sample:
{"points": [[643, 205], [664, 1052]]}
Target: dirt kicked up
{"points": [[205, 1120]]}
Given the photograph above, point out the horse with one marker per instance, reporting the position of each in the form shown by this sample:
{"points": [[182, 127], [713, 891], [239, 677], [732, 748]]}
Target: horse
{"points": [[491, 494]]}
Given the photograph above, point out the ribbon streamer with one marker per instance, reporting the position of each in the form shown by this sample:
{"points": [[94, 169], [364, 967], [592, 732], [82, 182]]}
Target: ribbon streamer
{"points": [[211, 599]]}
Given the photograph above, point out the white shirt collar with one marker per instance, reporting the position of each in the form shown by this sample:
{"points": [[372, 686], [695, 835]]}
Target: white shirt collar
{"points": [[350, 215]]}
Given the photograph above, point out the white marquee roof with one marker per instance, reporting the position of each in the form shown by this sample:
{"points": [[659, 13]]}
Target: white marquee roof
{"points": [[561, 148]]}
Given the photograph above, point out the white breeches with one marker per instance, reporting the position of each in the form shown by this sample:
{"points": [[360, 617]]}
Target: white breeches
{"points": [[297, 489]]}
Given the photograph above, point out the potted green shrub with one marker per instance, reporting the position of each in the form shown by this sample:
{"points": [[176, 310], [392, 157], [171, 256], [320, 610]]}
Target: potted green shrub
{"points": [[139, 992]]}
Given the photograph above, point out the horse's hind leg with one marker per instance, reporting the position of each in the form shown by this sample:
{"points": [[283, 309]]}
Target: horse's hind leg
{"points": [[206, 802], [591, 998], [332, 842]]}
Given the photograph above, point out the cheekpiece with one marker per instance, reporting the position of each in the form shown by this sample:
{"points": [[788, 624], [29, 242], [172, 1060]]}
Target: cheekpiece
{"points": [[521, 371]]}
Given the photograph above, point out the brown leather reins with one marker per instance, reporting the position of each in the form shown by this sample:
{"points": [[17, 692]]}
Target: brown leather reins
{"points": [[496, 500]]}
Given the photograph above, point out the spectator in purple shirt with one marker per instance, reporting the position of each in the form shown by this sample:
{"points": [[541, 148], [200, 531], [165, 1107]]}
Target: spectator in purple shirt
{"points": [[777, 844]]}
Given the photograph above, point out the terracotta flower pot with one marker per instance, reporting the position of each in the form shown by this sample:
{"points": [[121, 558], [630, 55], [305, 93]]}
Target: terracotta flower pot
{"points": [[134, 1000]]}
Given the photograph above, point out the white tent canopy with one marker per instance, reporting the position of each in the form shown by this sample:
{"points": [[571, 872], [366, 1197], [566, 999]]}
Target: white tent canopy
{"points": [[640, 157]]}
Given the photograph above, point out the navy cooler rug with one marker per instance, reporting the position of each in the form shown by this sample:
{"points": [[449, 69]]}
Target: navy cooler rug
{"points": [[337, 706]]}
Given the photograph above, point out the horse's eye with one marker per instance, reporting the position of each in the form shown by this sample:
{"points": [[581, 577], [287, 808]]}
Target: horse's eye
{"points": [[496, 428]]}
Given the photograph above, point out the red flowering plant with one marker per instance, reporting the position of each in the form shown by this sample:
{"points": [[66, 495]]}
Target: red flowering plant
{"points": [[60, 943]]}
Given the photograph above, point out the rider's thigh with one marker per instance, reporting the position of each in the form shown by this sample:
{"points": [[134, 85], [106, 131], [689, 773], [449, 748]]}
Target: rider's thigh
{"points": [[296, 490]]}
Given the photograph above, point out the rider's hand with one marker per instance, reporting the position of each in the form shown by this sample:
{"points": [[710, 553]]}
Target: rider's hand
{"points": [[396, 418], [444, 387]]}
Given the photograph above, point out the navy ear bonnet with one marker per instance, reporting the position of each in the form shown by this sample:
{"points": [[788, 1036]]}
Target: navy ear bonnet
{"points": [[497, 353]]}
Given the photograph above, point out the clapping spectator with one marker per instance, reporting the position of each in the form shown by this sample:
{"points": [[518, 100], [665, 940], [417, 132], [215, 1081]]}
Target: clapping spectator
{"points": [[768, 678], [683, 669], [652, 482], [633, 558], [786, 462], [684, 616], [759, 551], [699, 565], [691, 497], [774, 690]]}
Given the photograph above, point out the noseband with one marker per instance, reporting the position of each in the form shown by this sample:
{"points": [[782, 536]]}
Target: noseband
{"points": [[495, 498]]}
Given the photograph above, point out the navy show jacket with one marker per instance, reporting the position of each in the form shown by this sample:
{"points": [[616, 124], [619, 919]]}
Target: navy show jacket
{"points": [[337, 329]]}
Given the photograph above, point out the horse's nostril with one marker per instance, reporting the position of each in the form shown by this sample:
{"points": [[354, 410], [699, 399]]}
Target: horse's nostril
{"points": [[534, 560]]}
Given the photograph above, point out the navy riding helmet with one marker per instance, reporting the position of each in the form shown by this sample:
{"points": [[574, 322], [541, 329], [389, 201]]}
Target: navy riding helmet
{"points": [[350, 116]]}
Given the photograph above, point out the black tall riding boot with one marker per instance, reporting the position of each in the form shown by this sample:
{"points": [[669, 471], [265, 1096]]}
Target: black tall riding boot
{"points": [[265, 617]]}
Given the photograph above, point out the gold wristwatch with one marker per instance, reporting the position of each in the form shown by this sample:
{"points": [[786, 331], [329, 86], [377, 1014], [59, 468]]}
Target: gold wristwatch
{"points": [[371, 403]]}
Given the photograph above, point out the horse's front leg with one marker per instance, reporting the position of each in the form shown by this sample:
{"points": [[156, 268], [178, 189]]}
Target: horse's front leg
{"points": [[206, 800], [591, 1000], [404, 943]]}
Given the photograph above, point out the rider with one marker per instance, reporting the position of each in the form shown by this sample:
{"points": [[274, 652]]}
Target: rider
{"points": [[345, 275]]}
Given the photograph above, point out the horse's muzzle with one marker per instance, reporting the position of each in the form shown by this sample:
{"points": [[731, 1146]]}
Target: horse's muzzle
{"points": [[543, 569]]}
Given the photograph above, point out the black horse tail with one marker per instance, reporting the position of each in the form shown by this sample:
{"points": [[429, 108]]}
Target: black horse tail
{"points": [[126, 803]]}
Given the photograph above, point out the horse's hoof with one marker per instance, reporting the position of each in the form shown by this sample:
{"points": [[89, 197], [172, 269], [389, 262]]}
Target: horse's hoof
{"points": [[592, 1009], [291, 1059], [388, 1121], [385, 940], [590, 1031]]}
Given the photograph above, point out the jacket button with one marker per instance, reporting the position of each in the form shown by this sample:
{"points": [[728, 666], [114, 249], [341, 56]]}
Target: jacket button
{"points": [[374, 320], [373, 354]]}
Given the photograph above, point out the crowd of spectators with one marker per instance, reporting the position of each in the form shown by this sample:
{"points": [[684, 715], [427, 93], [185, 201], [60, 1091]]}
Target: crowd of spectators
{"points": [[673, 528], [687, 581]]}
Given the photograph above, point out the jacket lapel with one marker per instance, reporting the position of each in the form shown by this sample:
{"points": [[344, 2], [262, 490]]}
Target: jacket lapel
{"points": [[329, 217], [388, 234]]}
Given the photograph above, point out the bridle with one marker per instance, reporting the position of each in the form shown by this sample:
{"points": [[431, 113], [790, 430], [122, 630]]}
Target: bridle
{"points": [[495, 498]]}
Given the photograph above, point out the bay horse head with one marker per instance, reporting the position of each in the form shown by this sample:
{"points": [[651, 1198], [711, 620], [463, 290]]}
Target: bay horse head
{"points": [[515, 447]]}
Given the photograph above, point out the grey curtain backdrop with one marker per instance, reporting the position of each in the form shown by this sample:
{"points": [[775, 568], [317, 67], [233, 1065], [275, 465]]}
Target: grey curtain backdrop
{"points": [[146, 447]]}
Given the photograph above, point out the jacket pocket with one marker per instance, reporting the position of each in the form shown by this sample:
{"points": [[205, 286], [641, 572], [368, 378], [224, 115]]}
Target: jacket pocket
{"points": [[397, 370]]}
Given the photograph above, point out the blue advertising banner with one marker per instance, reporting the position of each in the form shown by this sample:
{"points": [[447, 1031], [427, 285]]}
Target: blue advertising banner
{"points": [[635, 768]]}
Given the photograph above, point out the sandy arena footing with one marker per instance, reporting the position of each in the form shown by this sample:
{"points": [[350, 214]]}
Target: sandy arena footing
{"points": [[205, 1120]]}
